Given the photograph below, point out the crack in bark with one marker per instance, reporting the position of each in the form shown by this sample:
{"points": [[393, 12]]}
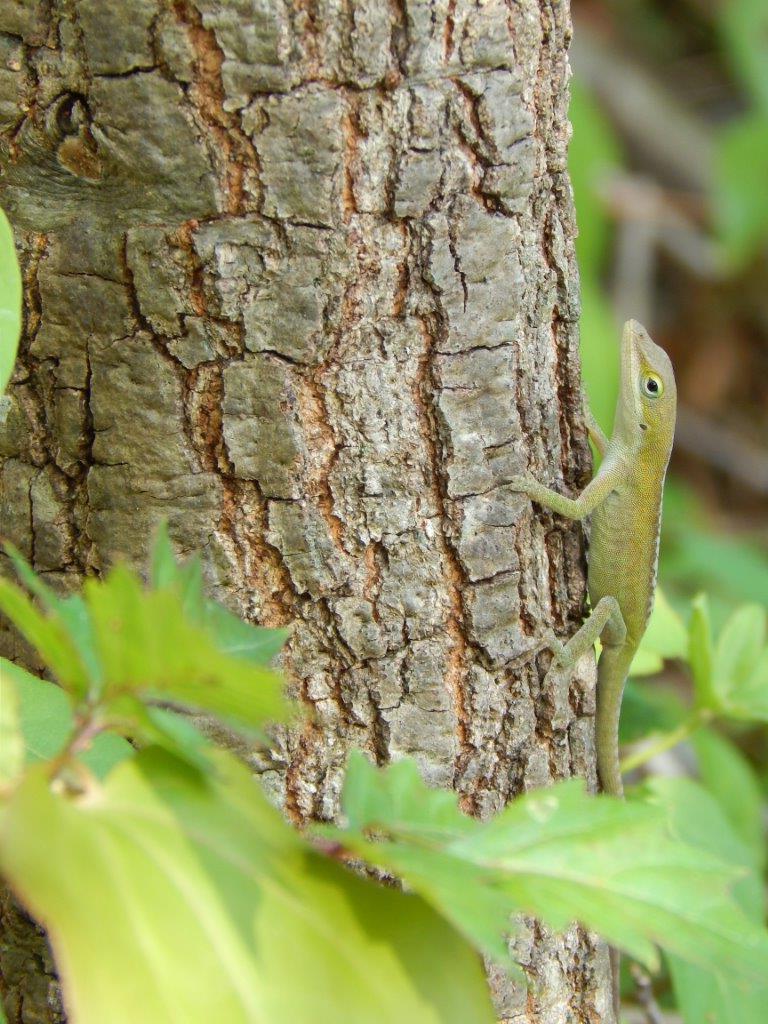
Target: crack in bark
{"points": [[233, 151]]}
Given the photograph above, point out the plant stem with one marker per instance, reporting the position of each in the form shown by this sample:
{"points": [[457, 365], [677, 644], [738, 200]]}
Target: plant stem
{"points": [[84, 733], [667, 740]]}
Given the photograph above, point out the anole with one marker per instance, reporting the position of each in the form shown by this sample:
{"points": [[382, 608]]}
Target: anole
{"points": [[623, 501]]}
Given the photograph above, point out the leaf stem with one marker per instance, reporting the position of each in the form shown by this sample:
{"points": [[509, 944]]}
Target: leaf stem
{"points": [[667, 740], [86, 730]]}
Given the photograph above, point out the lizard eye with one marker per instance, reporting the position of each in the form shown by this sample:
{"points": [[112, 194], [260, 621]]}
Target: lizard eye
{"points": [[652, 385]]}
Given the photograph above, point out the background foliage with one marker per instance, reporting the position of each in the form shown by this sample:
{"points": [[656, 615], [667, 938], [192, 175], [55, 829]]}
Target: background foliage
{"points": [[669, 161]]}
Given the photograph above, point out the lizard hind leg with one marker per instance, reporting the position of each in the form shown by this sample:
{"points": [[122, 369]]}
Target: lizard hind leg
{"points": [[605, 621]]}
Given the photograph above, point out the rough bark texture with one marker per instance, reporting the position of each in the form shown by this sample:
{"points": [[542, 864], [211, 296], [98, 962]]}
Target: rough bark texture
{"points": [[299, 277]]}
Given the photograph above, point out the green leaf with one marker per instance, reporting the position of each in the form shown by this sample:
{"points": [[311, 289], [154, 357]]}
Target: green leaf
{"points": [[47, 723], [665, 638], [739, 647], [186, 579], [741, 202], [560, 855], [666, 633], [169, 644], [169, 895], [10, 302], [70, 610], [744, 27], [45, 713], [701, 654], [233, 635], [728, 777], [164, 571], [48, 635], [740, 666], [712, 995], [646, 663], [749, 702], [695, 557], [11, 742], [594, 156], [147, 647], [149, 726], [396, 797], [241, 639], [648, 708]]}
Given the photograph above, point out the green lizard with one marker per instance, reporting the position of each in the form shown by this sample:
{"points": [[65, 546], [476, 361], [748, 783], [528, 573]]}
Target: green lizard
{"points": [[624, 503]]}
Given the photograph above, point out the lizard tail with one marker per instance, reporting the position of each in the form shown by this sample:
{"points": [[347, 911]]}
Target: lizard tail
{"points": [[611, 675], [612, 670]]}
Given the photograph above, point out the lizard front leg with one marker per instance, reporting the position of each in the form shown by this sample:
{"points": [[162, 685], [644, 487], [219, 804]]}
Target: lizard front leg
{"points": [[596, 491]]}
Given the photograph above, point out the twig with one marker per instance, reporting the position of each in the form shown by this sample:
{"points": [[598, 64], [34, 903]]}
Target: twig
{"points": [[667, 740], [645, 996], [634, 197], [638, 104], [723, 448]]}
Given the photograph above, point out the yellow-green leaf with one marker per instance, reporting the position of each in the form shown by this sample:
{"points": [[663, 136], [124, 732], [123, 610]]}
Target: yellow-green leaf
{"points": [[171, 896]]}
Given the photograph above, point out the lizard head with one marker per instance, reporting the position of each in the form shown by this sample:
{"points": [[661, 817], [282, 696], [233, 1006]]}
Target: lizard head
{"points": [[648, 396]]}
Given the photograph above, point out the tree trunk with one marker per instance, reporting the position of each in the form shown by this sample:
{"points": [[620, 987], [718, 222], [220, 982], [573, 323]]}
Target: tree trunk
{"points": [[300, 279]]}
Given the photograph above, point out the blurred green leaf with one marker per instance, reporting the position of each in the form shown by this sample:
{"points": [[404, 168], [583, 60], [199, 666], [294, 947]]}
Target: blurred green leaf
{"points": [[701, 654], [744, 28], [561, 855], [242, 640], [121, 638], [695, 557], [728, 777], [70, 610], [152, 726], [167, 894], [666, 633], [233, 636], [696, 818], [164, 571], [646, 663], [147, 647], [121, 645], [49, 636], [739, 647], [47, 723], [712, 995], [740, 666], [740, 196], [648, 708], [594, 156], [749, 701], [665, 638], [186, 579], [397, 801], [11, 741], [10, 302]]}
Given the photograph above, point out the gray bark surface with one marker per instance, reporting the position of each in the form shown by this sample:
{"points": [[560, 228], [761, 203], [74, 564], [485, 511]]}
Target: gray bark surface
{"points": [[299, 278]]}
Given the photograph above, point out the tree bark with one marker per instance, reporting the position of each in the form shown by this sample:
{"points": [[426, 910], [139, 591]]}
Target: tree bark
{"points": [[300, 279]]}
